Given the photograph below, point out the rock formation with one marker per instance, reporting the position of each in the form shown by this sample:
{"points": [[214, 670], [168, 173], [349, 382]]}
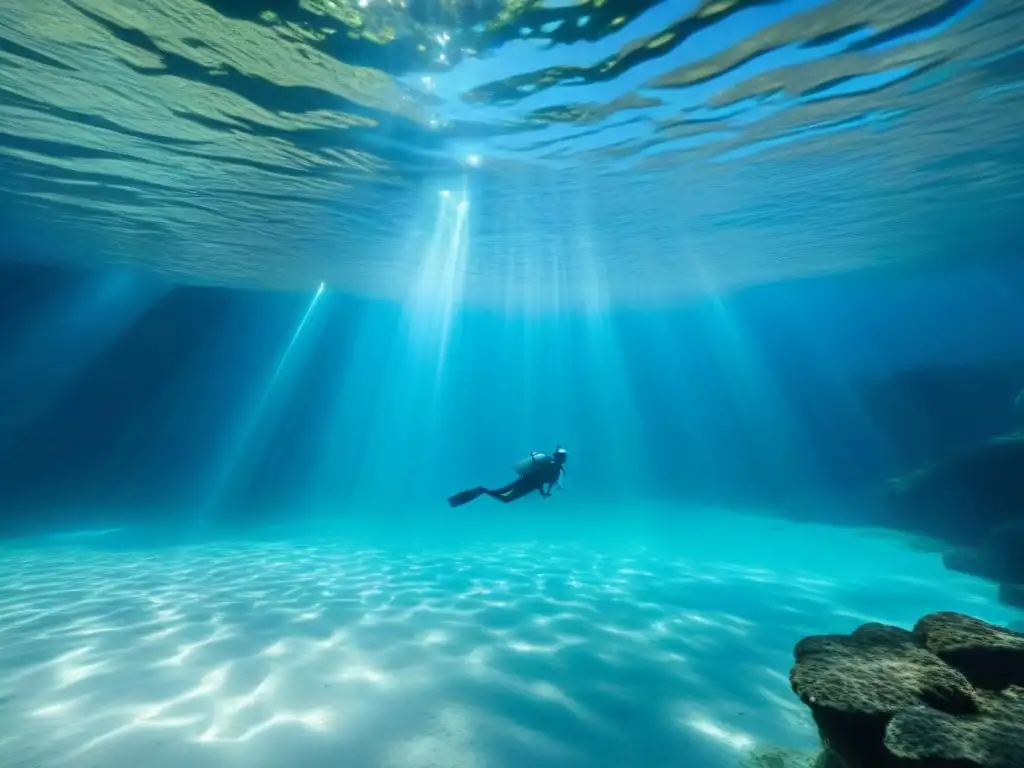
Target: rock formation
{"points": [[933, 411], [948, 694], [775, 757], [974, 501], [999, 558], [962, 498]]}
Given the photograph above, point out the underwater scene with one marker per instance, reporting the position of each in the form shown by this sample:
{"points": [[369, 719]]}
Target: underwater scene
{"points": [[512, 383]]}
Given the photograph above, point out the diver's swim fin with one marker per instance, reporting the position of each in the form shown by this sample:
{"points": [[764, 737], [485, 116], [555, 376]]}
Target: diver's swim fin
{"points": [[466, 496]]}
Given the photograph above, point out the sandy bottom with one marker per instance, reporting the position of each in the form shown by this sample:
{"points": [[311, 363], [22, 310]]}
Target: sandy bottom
{"points": [[317, 653]]}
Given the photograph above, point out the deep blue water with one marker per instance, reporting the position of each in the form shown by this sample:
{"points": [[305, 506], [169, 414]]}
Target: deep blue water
{"points": [[278, 278]]}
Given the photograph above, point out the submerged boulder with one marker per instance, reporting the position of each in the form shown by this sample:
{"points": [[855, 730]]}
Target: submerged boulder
{"points": [[994, 738], [944, 694], [990, 657]]}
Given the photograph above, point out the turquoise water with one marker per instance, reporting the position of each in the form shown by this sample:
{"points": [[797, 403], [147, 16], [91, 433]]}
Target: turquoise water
{"points": [[353, 648], [278, 277]]}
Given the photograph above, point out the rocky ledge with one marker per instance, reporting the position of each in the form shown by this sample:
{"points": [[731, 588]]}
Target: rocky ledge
{"points": [[947, 694], [972, 501], [966, 496]]}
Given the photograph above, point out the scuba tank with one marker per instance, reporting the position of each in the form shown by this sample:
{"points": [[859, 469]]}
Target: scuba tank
{"points": [[532, 462]]}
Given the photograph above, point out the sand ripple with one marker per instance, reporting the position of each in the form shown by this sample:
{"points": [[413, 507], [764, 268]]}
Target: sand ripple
{"points": [[295, 654]]}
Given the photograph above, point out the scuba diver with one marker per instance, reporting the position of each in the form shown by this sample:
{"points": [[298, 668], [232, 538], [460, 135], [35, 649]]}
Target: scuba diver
{"points": [[535, 472]]}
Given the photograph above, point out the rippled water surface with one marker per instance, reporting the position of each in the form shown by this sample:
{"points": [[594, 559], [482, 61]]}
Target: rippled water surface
{"points": [[622, 148]]}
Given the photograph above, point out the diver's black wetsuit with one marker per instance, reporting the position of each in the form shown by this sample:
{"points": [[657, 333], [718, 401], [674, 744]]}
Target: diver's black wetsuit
{"points": [[535, 481]]}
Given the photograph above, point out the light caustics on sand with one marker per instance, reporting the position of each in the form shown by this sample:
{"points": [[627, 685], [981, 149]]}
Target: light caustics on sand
{"points": [[500, 656]]}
